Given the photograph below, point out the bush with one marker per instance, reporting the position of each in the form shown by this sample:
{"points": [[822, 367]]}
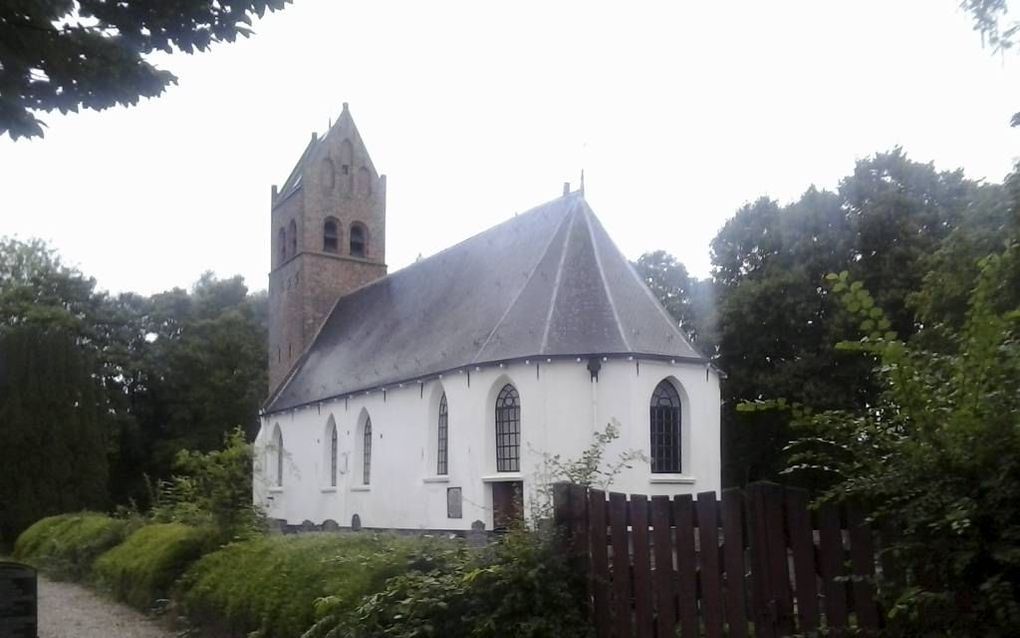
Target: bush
{"points": [[522, 586], [65, 546], [143, 568], [270, 584]]}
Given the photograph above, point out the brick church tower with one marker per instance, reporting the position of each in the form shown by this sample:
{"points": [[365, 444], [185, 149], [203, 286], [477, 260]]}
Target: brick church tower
{"points": [[328, 228]]}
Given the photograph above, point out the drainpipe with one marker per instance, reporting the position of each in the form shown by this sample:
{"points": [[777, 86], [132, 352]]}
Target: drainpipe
{"points": [[594, 365]]}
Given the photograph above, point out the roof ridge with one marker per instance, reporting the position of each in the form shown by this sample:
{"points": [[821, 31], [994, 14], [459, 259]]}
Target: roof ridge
{"points": [[602, 277], [531, 275]]}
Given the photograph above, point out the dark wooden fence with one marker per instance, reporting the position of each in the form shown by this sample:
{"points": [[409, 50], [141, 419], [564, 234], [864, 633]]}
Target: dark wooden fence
{"points": [[757, 563]]}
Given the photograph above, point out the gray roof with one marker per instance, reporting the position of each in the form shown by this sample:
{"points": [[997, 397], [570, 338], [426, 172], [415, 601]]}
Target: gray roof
{"points": [[546, 283]]}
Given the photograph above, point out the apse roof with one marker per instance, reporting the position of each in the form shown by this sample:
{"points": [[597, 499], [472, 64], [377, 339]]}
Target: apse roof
{"points": [[545, 283]]}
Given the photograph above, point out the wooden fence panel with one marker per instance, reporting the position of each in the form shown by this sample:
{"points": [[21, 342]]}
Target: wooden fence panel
{"points": [[665, 596], [642, 566], [830, 552], [686, 561], [622, 623], [599, 561], [733, 549], [700, 587], [711, 586], [798, 522]]}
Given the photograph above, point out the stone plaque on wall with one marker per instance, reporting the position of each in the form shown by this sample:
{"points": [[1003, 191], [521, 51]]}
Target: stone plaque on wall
{"points": [[18, 602], [454, 503]]}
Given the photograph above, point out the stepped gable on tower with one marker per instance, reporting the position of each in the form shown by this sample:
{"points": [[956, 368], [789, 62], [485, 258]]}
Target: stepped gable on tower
{"points": [[546, 283], [328, 237]]}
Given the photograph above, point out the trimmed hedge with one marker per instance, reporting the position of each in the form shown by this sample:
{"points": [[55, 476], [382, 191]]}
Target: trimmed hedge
{"points": [[143, 568], [271, 584], [65, 546]]}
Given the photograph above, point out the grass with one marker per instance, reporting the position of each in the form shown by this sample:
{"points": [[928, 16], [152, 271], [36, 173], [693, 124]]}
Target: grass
{"points": [[270, 584], [67, 545], [142, 570]]}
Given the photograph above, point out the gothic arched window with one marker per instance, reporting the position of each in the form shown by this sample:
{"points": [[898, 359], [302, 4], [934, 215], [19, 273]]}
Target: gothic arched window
{"points": [[292, 231], [508, 430], [366, 452], [664, 418], [359, 240], [331, 235], [277, 453], [282, 241], [333, 444], [443, 439]]}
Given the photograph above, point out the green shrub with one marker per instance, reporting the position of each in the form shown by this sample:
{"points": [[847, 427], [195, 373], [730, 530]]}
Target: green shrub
{"points": [[270, 584], [143, 568], [522, 586], [65, 546]]}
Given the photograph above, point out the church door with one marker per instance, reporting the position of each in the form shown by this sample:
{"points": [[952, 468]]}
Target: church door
{"points": [[507, 503]]}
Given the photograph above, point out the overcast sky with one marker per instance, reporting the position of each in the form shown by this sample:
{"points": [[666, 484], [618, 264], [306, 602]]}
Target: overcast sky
{"points": [[678, 112]]}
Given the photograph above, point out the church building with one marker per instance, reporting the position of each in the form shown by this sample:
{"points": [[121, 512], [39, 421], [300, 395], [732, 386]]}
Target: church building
{"points": [[432, 397]]}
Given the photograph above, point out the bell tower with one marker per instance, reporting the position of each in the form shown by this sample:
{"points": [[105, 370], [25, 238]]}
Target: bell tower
{"points": [[328, 237]]}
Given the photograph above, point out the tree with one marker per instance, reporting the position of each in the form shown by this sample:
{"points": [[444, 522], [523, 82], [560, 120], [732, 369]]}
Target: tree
{"points": [[688, 300], [935, 460], [70, 54], [988, 16], [52, 424]]}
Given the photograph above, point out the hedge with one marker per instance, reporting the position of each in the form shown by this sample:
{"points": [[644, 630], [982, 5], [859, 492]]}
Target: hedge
{"points": [[142, 569], [270, 584], [65, 546]]}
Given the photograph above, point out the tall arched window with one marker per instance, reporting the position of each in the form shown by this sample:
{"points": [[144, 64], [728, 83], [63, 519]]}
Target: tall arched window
{"points": [[366, 450], [508, 430], [292, 231], [331, 235], [277, 453], [665, 428], [282, 241], [333, 444], [358, 240], [442, 439]]}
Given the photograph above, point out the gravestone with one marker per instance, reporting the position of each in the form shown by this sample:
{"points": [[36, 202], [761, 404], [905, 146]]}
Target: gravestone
{"points": [[329, 525], [18, 601], [356, 523]]}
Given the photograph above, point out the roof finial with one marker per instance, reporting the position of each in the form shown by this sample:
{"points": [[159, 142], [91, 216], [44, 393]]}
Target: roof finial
{"points": [[582, 183], [566, 188]]}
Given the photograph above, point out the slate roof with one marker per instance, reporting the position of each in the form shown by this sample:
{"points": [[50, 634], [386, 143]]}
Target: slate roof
{"points": [[546, 283]]}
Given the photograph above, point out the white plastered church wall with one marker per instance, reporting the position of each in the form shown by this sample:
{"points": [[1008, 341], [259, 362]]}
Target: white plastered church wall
{"points": [[561, 408]]}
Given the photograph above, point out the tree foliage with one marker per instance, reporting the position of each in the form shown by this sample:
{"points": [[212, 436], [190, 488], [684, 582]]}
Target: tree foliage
{"points": [[936, 459], [70, 54]]}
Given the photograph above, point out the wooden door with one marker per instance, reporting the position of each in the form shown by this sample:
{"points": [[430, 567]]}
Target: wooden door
{"points": [[507, 503]]}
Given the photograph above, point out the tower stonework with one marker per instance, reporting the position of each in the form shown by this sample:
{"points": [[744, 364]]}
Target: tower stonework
{"points": [[328, 229]]}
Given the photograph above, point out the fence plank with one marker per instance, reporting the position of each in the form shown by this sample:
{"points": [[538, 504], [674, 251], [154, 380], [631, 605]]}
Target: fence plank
{"points": [[831, 557], [665, 596], [711, 587], [798, 522], [763, 605], [642, 568], [862, 559], [683, 514], [622, 624], [599, 561], [733, 549]]}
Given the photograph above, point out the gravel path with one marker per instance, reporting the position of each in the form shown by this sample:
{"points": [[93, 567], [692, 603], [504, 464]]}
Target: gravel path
{"points": [[72, 611]]}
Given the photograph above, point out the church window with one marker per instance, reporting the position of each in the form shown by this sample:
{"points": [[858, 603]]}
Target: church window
{"points": [[442, 439], [333, 447], [293, 237], [282, 241], [508, 430], [665, 428], [331, 236], [366, 463], [278, 456], [358, 240]]}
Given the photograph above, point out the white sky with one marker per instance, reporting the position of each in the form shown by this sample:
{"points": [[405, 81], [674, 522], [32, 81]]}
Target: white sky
{"points": [[679, 112]]}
